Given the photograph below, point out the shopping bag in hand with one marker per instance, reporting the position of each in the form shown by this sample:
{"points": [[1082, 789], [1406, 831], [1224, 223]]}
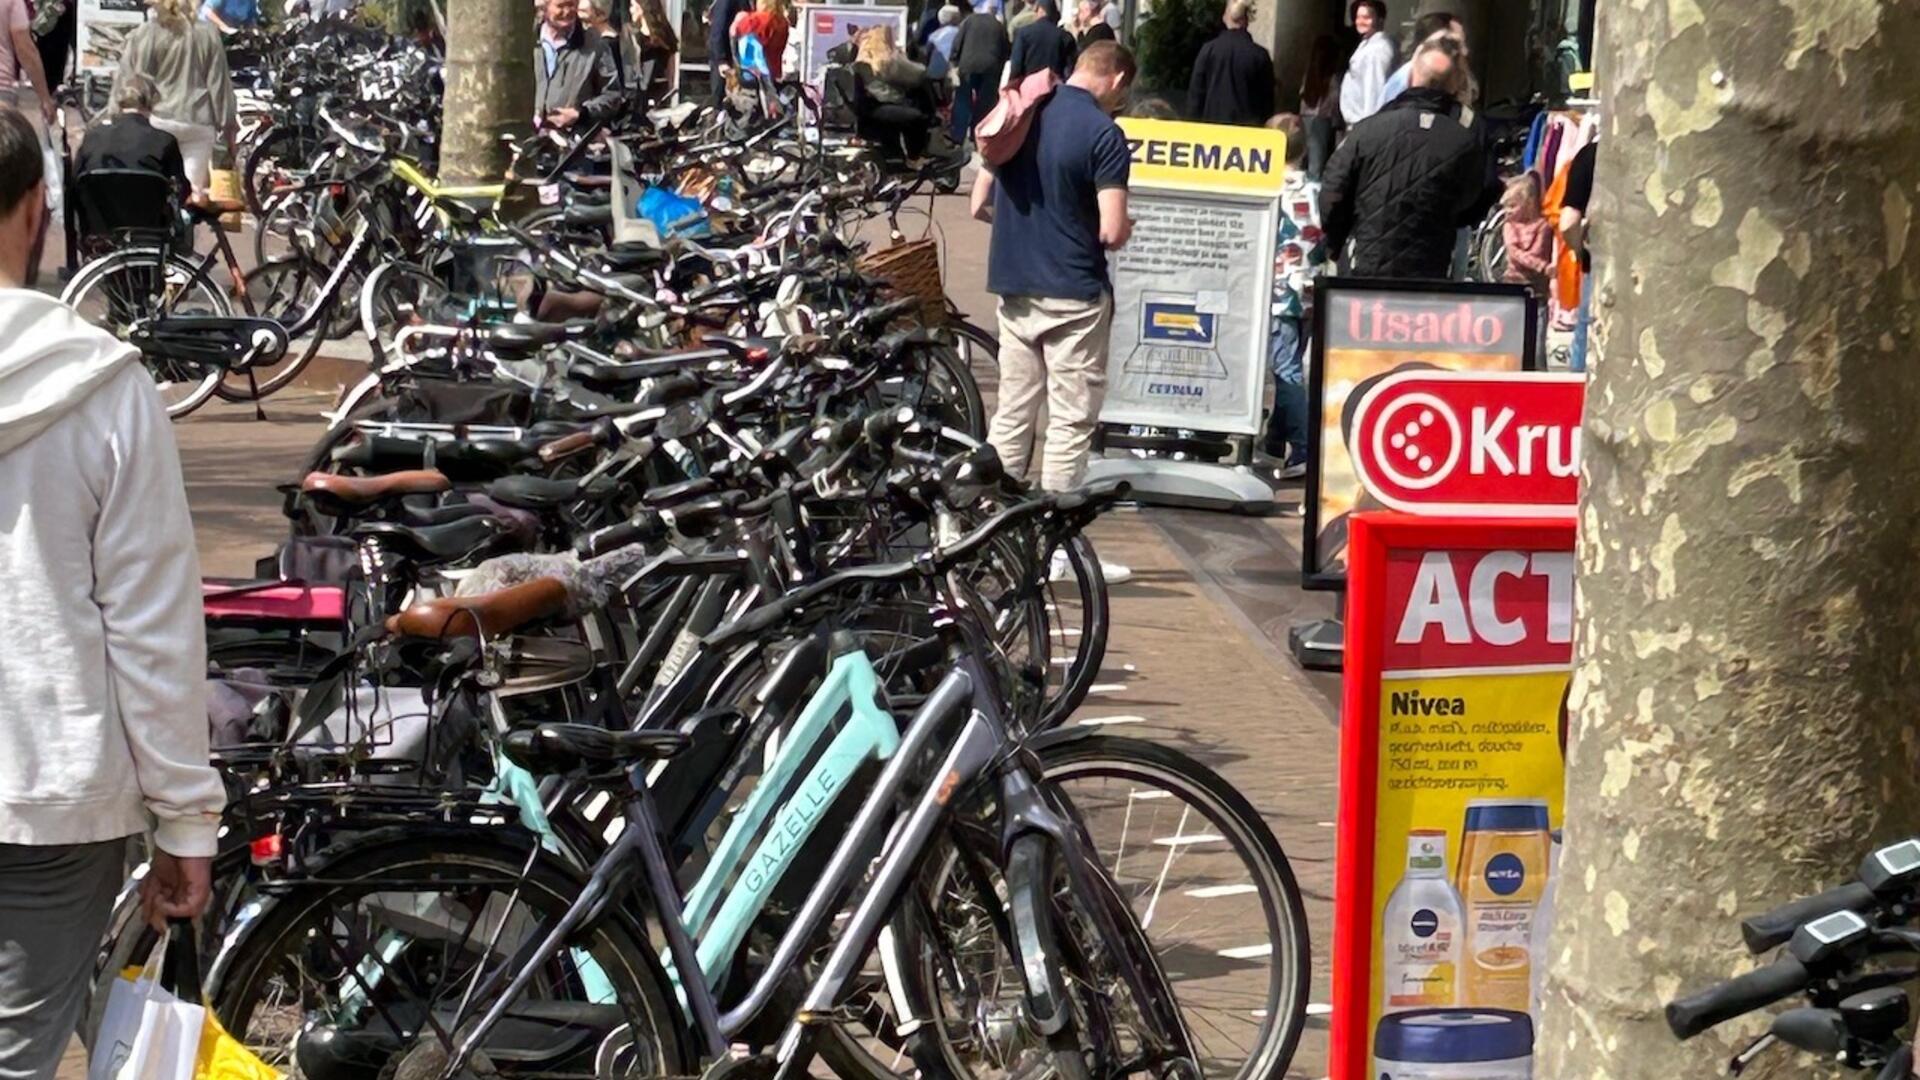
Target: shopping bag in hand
{"points": [[157, 1028]]}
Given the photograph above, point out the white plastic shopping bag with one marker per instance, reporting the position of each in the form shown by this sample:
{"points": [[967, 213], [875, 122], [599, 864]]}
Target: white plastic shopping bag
{"points": [[147, 1033]]}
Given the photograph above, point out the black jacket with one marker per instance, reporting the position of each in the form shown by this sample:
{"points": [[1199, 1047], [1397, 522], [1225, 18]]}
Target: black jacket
{"points": [[1099, 31], [129, 141], [720, 29], [1232, 81], [1042, 44], [981, 47], [584, 76], [1407, 178]]}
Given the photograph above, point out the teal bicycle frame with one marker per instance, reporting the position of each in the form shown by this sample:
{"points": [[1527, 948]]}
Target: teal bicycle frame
{"points": [[717, 916]]}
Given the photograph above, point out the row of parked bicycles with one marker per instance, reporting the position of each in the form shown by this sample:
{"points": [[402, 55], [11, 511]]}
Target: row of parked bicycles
{"points": [[660, 677]]}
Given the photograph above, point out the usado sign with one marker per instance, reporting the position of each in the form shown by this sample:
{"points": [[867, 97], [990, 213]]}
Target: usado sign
{"points": [[1471, 444]]}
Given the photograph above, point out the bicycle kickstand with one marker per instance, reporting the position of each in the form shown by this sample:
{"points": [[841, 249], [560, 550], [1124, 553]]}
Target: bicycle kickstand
{"points": [[253, 391]]}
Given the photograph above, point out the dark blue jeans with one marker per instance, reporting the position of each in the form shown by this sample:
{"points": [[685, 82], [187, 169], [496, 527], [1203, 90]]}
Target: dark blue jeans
{"points": [[1287, 424], [975, 98]]}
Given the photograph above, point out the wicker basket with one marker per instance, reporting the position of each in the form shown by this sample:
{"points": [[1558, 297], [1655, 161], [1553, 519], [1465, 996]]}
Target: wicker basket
{"points": [[912, 269], [225, 184]]}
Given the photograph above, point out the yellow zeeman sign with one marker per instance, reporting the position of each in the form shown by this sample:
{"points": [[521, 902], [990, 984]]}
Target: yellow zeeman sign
{"points": [[1205, 157]]}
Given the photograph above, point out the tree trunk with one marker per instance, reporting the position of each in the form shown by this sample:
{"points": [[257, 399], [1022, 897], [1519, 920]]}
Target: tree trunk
{"points": [[1749, 578], [489, 87]]}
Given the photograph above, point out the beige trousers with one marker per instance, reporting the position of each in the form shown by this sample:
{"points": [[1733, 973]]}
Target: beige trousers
{"points": [[1059, 348]]}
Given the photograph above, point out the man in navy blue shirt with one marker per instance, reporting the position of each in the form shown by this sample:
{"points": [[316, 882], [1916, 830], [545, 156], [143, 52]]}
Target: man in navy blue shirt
{"points": [[1057, 207]]}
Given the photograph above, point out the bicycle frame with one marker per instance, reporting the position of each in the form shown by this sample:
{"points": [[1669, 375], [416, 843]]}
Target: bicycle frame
{"points": [[965, 695]]}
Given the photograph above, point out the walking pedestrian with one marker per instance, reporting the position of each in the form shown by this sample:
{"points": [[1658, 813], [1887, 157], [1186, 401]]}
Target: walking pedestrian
{"points": [[1574, 226], [574, 77], [1091, 26], [1407, 179], [720, 45], [1299, 254], [648, 46], [1371, 63], [1057, 207], [1042, 43], [940, 43], [1233, 76], [1424, 27], [980, 52], [1320, 102], [103, 721], [186, 60]]}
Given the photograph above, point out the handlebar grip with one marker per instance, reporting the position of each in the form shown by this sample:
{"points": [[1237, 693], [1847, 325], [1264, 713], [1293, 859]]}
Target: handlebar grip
{"points": [[1817, 1031], [882, 428], [644, 528], [1771, 930], [693, 519], [1690, 1016], [1899, 1066], [882, 314], [843, 191]]}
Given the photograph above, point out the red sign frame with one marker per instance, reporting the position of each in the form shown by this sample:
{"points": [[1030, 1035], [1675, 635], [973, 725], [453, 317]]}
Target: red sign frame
{"points": [[1374, 535], [1471, 444]]}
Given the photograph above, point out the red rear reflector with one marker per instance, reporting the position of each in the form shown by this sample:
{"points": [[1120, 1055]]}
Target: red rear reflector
{"points": [[266, 849]]}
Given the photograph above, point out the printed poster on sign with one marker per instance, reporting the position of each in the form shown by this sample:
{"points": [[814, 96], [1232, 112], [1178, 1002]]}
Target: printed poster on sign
{"points": [[1370, 330], [1451, 835], [1192, 287], [826, 27], [101, 30]]}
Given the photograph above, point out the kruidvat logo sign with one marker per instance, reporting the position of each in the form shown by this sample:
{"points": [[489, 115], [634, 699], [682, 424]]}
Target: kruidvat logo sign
{"points": [[1494, 444]]}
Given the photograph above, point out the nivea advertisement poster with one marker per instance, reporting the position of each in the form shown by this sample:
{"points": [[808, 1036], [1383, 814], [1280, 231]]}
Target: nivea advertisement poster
{"points": [[1472, 649]]}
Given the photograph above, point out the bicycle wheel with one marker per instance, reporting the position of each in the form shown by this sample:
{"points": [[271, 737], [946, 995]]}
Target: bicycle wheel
{"points": [[372, 969], [937, 384], [397, 295], [1205, 882], [977, 349], [1208, 884], [274, 161], [125, 287], [1077, 617], [279, 290]]}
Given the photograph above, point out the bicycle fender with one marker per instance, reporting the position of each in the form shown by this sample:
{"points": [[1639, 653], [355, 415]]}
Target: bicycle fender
{"points": [[1029, 908]]}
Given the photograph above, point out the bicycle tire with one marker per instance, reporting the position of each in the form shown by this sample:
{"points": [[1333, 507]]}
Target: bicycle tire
{"points": [[1064, 759], [377, 321], [1090, 645], [380, 861], [138, 266], [258, 191]]}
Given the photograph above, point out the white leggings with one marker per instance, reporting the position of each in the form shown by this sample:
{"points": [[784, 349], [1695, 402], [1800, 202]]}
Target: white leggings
{"points": [[196, 150]]}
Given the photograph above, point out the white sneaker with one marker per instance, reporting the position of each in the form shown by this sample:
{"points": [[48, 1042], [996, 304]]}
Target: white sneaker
{"points": [[1294, 471], [1060, 570]]}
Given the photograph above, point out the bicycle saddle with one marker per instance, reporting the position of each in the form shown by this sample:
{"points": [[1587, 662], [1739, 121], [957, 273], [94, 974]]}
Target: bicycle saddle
{"points": [[360, 490], [533, 336], [435, 543], [559, 748], [541, 493], [490, 615], [632, 257]]}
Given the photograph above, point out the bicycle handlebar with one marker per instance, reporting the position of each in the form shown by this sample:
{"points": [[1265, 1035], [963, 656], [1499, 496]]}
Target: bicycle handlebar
{"points": [[1772, 929], [1777, 981]]}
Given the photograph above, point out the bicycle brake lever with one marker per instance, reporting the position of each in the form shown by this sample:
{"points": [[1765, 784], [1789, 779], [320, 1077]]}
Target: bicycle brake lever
{"points": [[1740, 1061]]}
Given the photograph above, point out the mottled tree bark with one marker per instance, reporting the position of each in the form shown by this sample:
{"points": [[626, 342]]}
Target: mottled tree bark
{"points": [[489, 86], [1750, 536]]}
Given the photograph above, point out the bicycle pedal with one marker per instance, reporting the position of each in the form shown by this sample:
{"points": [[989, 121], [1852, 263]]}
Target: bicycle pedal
{"points": [[753, 1067]]}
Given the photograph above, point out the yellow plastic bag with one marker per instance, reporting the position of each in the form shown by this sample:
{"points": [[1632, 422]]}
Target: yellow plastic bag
{"points": [[222, 1057]]}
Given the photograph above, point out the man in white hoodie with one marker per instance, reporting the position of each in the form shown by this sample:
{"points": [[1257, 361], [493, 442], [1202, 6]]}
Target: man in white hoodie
{"points": [[103, 727]]}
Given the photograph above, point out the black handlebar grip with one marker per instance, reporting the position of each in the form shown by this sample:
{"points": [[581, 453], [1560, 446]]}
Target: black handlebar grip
{"points": [[885, 426], [644, 528], [1771, 930], [843, 191], [1899, 1066], [1690, 1016], [1817, 1031], [700, 517]]}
